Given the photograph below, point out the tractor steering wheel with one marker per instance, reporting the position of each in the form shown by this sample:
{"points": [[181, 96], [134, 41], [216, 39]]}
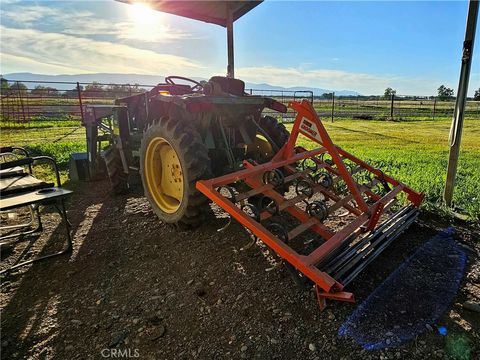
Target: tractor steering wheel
{"points": [[197, 86]]}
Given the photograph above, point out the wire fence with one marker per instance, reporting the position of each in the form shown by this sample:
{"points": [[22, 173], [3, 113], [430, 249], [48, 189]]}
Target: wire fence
{"points": [[36, 102]]}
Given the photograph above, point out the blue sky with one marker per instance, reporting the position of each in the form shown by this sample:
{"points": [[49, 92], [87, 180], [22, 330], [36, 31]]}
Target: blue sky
{"points": [[365, 46]]}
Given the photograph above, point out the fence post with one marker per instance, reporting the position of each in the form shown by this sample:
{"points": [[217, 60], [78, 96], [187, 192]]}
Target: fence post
{"points": [[392, 98], [2, 108], [333, 104], [21, 101], [434, 107], [79, 91]]}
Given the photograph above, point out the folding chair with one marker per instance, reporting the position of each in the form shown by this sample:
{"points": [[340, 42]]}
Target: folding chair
{"points": [[12, 152], [19, 188]]}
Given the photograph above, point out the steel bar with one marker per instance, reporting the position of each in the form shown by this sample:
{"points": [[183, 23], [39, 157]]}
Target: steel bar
{"points": [[459, 112], [390, 239], [344, 257], [339, 256]]}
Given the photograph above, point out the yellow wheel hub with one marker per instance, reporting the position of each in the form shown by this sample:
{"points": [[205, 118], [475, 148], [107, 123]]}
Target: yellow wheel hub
{"points": [[164, 175], [261, 144]]}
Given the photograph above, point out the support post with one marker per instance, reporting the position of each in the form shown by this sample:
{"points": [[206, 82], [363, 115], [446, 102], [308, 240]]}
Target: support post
{"points": [[392, 99], [230, 65], [21, 102], [79, 93], [434, 107], [333, 104], [458, 115]]}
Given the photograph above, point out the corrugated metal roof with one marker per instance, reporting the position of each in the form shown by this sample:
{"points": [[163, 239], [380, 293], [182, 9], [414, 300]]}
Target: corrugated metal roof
{"points": [[214, 12]]}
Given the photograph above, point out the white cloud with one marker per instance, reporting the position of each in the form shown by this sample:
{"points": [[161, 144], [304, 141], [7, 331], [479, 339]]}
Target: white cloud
{"points": [[28, 14], [150, 28], [12, 63], [76, 54], [334, 79]]}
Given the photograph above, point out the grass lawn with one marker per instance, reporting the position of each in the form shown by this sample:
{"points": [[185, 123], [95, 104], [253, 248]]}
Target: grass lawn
{"points": [[417, 154], [56, 142]]}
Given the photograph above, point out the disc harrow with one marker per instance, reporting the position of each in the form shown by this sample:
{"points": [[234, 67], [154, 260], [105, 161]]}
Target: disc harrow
{"points": [[295, 202]]}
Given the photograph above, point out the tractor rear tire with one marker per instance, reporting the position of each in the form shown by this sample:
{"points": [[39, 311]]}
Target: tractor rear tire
{"points": [[113, 163], [275, 130], [172, 159]]}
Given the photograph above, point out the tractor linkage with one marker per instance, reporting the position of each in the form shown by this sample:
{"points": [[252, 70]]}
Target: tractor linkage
{"points": [[329, 183]]}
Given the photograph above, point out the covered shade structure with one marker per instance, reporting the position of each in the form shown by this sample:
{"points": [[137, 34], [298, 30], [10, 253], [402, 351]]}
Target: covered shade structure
{"points": [[222, 13]]}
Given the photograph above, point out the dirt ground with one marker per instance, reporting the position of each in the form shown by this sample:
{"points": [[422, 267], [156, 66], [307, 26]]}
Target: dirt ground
{"points": [[154, 292]]}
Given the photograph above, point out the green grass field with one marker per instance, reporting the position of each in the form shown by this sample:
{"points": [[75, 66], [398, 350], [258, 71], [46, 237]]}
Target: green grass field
{"points": [[415, 152], [54, 141]]}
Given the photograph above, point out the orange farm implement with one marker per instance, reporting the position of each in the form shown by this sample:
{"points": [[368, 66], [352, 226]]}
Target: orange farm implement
{"points": [[309, 191]]}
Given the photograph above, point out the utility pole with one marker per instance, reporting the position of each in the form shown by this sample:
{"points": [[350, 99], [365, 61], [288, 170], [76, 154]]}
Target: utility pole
{"points": [[458, 115]]}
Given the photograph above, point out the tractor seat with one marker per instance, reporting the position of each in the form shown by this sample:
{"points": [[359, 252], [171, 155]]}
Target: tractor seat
{"points": [[218, 84]]}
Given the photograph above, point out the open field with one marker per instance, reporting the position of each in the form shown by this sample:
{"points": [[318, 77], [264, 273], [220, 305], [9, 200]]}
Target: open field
{"points": [[416, 152], [29, 103], [57, 142]]}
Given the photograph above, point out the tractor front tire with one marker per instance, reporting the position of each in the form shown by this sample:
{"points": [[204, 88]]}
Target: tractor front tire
{"points": [[172, 159], [275, 130], [113, 163]]}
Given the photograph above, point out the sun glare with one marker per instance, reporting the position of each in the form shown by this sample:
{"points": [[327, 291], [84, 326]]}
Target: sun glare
{"points": [[142, 13], [147, 22]]}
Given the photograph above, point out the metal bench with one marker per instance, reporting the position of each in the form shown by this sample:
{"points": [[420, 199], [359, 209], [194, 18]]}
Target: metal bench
{"points": [[20, 189]]}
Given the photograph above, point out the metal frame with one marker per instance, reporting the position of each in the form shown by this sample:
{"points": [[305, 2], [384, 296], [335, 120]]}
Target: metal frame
{"points": [[9, 151], [459, 112], [360, 201], [34, 203]]}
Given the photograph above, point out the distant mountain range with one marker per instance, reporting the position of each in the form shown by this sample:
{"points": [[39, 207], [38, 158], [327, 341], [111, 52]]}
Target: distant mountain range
{"points": [[147, 80]]}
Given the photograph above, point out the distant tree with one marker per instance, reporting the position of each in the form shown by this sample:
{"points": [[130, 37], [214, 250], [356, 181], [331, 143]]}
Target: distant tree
{"points": [[444, 93], [116, 90], [327, 96], [389, 92], [17, 88], [4, 84], [137, 89], [94, 90], [476, 96], [52, 91], [72, 93], [40, 90]]}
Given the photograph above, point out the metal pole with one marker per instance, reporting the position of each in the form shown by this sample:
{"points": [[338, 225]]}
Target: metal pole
{"points": [[434, 107], [230, 65], [458, 115], [21, 102], [79, 92], [392, 98], [333, 104]]}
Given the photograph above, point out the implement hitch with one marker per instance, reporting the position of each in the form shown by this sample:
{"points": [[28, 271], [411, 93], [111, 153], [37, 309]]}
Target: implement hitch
{"points": [[308, 191]]}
